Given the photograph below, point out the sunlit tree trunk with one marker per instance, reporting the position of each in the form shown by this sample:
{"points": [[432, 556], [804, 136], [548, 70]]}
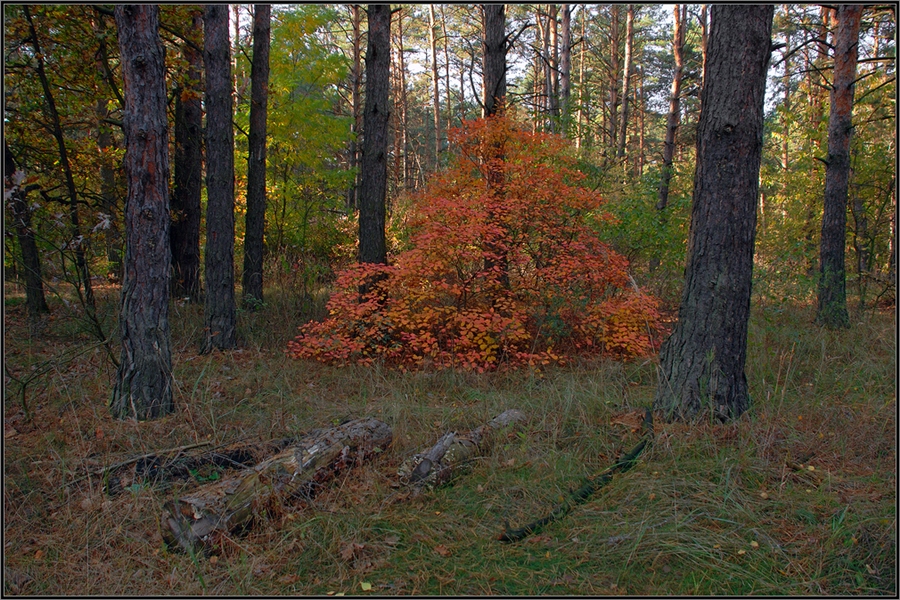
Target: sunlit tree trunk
{"points": [[832, 293], [613, 79], [373, 175], [435, 80], [674, 115], [626, 80], [702, 362], [446, 40], [220, 319], [143, 386], [252, 279], [565, 70], [582, 88]]}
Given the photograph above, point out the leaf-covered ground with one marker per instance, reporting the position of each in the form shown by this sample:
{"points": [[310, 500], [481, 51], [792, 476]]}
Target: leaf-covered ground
{"points": [[798, 497]]}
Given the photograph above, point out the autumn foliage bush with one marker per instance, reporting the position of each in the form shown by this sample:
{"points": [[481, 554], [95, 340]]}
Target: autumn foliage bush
{"points": [[504, 267]]}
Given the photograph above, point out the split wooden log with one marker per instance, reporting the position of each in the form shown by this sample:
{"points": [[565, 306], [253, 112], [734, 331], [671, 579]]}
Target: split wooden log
{"points": [[195, 521], [440, 462]]}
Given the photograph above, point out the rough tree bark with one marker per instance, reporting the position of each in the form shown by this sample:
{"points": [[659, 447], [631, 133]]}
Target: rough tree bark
{"points": [[376, 116], [184, 230], [702, 362], [494, 66], [438, 464], [196, 521], [219, 313], [252, 277], [143, 387], [832, 292]]}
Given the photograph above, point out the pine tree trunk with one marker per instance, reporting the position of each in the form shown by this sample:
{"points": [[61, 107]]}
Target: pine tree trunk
{"points": [[355, 103], [186, 210], [373, 176], [674, 115], [143, 387], [494, 58], [565, 69], [219, 315], [832, 296], [702, 362], [553, 27], [435, 78], [252, 277], [35, 302], [613, 80], [626, 80]]}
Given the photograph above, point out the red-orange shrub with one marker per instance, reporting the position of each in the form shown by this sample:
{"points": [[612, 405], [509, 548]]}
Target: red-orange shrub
{"points": [[503, 269]]}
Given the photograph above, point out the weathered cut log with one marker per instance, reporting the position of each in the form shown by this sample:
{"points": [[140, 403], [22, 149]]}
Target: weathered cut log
{"points": [[439, 463], [194, 521]]}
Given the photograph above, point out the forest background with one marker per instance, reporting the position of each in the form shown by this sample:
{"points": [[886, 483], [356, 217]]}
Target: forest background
{"points": [[609, 88]]}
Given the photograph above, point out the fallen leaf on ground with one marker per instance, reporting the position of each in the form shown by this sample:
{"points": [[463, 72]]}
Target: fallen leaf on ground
{"points": [[442, 550]]}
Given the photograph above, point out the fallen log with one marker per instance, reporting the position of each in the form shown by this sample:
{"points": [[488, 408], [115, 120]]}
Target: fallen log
{"points": [[439, 463], [196, 520]]}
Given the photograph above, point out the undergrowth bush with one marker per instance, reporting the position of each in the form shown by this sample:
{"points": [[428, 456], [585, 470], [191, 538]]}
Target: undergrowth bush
{"points": [[503, 268]]}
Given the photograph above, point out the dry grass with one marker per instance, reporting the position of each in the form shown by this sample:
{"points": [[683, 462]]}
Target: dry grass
{"points": [[711, 509]]}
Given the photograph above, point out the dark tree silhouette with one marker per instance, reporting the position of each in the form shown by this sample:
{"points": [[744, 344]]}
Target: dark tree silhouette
{"points": [[188, 166], [702, 362], [252, 279], [832, 294], [219, 315], [373, 175]]}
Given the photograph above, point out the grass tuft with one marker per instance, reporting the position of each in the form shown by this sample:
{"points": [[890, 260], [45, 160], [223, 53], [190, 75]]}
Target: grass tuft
{"points": [[798, 497]]}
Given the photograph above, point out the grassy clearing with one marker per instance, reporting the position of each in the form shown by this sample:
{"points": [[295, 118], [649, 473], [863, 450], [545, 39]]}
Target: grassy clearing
{"points": [[798, 497]]}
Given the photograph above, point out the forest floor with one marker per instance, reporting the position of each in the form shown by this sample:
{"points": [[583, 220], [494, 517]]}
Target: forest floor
{"points": [[798, 497]]}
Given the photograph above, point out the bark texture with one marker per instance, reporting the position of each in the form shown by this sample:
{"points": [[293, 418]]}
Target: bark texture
{"points": [[376, 115], [143, 387], [195, 521], [252, 278], [832, 293], [441, 462], [702, 363], [219, 314], [188, 165], [494, 66]]}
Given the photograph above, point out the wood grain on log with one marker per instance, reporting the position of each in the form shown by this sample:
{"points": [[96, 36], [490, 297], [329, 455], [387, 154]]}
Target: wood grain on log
{"points": [[191, 521], [437, 465]]}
